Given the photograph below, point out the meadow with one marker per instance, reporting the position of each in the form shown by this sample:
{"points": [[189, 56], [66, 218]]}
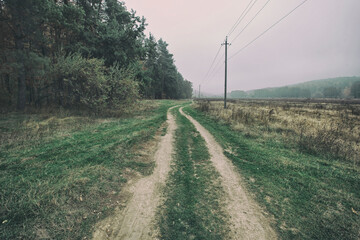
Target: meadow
{"points": [[299, 159], [63, 171], [328, 128]]}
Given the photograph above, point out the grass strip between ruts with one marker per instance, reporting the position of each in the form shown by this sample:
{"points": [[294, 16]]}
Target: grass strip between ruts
{"points": [[193, 207]]}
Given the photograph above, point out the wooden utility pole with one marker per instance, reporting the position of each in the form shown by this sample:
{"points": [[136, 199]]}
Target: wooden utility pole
{"points": [[226, 44], [225, 91]]}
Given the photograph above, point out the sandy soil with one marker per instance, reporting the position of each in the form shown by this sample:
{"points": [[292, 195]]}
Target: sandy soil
{"points": [[246, 217], [137, 219]]}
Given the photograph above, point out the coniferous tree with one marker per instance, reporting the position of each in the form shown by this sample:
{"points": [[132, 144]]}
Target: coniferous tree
{"points": [[355, 89], [77, 52]]}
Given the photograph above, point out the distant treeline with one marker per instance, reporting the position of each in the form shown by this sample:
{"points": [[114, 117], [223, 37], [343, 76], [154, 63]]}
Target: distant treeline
{"points": [[347, 87], [91, 53]]}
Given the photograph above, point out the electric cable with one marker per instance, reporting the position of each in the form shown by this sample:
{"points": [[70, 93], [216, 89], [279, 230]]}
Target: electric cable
{"points": [[250, 21], [212, 64], [217, 67], [242, 16], [259, 36]]}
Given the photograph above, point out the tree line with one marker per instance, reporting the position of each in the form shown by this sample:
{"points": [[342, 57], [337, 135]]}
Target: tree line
{"points": [[91, 53], [346, 87]]}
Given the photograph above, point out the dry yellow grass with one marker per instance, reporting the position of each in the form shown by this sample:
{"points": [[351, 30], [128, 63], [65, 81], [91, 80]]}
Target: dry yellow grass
{"points": [[326, 128]]}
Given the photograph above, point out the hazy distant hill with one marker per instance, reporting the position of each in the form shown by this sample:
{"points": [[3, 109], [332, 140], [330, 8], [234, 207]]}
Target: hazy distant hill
{"points": [[206, 95], [329, 88]]}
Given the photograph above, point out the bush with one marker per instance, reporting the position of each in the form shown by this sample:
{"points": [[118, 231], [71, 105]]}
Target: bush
{"points": [[121, 86], [203, 106], [79, 81], [87, 82]]}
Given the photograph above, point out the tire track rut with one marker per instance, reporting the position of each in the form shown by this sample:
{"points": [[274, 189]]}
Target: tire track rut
{"points": [[246, 218], [137, 220]]}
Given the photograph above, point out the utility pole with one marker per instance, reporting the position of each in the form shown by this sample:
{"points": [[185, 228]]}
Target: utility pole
{"points": [[199, 90], [225, 91]]}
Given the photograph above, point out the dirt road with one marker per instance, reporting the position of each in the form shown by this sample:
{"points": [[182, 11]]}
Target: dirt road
{"points": [[137, 220], [246, 218]]}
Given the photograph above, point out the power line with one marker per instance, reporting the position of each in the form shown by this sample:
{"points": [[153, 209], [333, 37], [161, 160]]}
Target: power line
{"points": [[238, 21], [242, 16], [250, 21], [217, 68], [267, 30], [217, 54]]}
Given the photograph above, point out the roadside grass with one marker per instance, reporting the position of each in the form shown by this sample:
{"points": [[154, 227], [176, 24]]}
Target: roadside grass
{"points": [[311, 197], [59, 174], [192, 209]]}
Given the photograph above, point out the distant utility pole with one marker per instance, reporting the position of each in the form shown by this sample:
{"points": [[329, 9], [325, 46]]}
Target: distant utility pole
{"points": [[199, 90], [226, 45]]}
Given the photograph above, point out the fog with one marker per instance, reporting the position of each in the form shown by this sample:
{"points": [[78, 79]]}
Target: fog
{"points": [[320, 39]]}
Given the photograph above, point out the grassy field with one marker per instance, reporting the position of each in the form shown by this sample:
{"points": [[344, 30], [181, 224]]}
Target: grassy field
{"points": [[331, 129], [60, 173], [192, 209], [311, 194]]}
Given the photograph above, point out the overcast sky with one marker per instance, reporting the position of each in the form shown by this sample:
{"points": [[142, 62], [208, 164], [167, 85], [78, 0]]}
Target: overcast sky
{"points": [[321, 39]]}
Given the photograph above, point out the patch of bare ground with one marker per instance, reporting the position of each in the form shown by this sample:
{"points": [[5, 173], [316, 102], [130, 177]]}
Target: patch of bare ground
{"points": [[246, 217], [135, 219]]}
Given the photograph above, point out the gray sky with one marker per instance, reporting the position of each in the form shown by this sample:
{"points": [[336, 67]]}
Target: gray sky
{"points": [[321, 39]]}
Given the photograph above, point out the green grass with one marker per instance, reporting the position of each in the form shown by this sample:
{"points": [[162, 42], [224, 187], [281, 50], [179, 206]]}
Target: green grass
{"points": [[57, 182], [192, 209], [310, 197]]}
